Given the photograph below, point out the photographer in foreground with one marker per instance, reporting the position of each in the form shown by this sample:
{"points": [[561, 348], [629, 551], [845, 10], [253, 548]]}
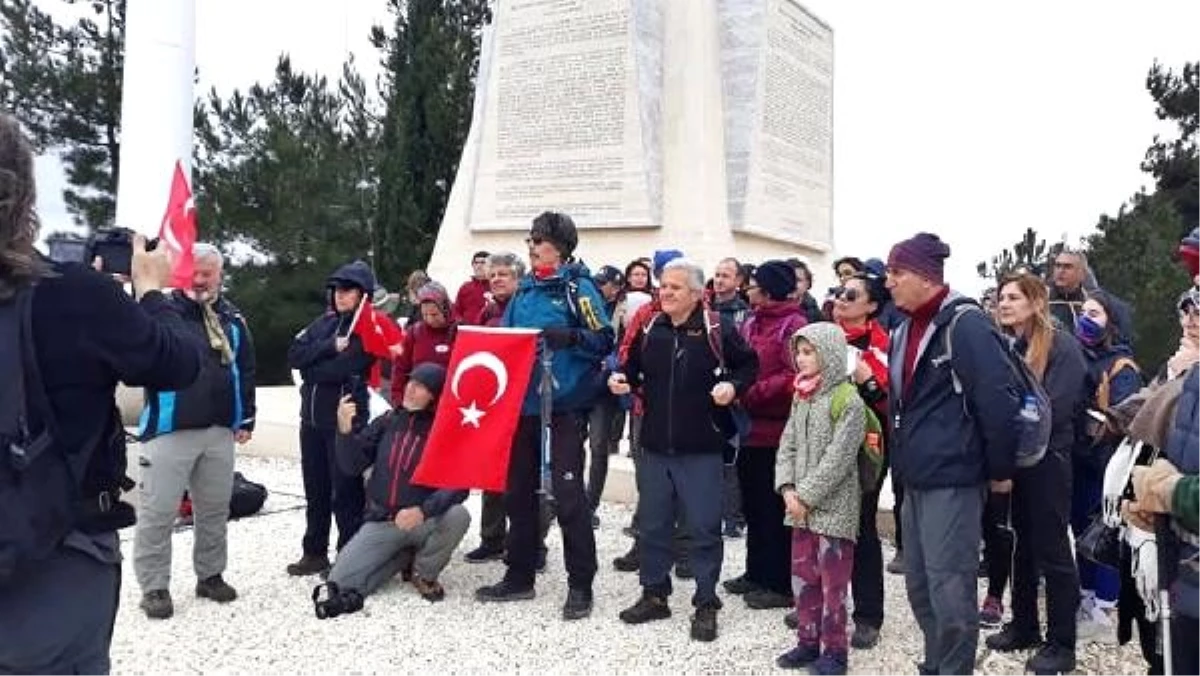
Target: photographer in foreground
{"points": [[73, 334]]}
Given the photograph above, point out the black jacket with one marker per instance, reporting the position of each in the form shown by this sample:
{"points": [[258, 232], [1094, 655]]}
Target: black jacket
{"points": [[394, 443], [1065, 384], [89, 335], [676, 369], [223, 395], [327, 374]]}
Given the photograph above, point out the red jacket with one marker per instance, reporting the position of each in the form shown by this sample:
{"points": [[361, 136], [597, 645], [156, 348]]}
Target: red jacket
{"points": [[768, 331], [469, 302], [421, 344]]}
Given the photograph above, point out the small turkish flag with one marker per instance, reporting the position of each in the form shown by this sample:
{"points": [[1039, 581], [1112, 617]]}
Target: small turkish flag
{"points": [[379, 333], [178, 230], [477, 415]]}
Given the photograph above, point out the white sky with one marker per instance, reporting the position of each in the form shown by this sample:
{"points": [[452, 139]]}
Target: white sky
{"points": [[973, 120]]}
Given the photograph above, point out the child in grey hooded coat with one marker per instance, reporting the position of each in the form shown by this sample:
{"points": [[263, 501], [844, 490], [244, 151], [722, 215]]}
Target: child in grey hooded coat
{"points": [[816, 471]]}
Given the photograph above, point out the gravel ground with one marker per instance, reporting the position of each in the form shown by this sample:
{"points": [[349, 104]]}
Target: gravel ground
{"points": [[271, 627]]}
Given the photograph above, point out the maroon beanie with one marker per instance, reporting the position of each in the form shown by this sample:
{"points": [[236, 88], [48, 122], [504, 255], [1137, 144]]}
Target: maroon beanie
{"points": [[924, 254]]}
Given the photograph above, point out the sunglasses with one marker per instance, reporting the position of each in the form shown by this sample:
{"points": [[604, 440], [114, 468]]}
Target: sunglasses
{"points": [[848, 295]]}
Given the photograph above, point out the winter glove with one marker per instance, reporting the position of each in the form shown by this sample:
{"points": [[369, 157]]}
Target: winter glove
{"points": [[560, 337], [1144, 568]]}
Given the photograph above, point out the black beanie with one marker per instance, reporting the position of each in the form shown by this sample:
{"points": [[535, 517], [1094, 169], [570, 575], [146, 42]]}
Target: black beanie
{"points": [[432, 376], [776, 279]]}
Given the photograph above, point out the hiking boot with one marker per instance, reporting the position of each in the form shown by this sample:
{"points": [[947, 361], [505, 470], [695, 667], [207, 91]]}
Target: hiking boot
{"points": [[309, 564], [864, 637], [503, 592], [1010, 639], [829, 664], [216, 589], [799, 657], [483, 554], [630, 561], [647, 609], [1051, 659], [765, 599], [792, 620], [683, 570], [578, 605], [991, 613], [430, 590], [739, 585], [896, 565], [704, 624], [157, 604]]}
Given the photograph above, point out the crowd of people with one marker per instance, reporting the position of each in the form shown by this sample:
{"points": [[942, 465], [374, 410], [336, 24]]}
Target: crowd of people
{"points": [[754, 411]]}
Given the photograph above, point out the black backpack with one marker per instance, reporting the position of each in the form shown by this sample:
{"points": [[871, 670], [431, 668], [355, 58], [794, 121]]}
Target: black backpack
{"points": [[40, 486]]}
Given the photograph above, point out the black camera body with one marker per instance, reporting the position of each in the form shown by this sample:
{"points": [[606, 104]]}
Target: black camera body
{"points": [[114, 248]]}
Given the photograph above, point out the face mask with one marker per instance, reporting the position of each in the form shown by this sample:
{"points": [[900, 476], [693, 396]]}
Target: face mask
{"points": [[1089, 331]]}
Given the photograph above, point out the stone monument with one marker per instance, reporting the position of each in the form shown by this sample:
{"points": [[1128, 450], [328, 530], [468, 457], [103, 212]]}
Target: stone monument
{"points": [[702, 125]]}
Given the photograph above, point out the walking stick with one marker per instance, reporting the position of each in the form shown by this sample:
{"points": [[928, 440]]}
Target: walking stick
{"points": [[1167, 560], [546, 391]]}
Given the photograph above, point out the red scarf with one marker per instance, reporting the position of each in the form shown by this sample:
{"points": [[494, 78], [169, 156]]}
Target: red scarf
{"points": [[919, 322]]}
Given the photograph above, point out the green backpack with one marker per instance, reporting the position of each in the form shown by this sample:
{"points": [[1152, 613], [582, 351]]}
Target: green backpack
{"points": [[870, 452]]}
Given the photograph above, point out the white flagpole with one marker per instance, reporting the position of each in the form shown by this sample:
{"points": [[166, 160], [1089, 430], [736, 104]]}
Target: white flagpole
{"points": [[156, 108]]}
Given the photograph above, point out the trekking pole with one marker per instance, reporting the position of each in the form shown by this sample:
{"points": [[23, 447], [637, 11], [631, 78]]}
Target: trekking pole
{"points": [[546, 391], [1166, 568]]}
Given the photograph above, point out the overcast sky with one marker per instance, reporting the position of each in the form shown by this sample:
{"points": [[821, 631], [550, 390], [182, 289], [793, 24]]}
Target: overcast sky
{"points": [[973, 120]]}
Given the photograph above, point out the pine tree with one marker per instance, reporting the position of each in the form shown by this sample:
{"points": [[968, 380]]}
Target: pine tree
{"points": [[431, 61], [63, 82]]}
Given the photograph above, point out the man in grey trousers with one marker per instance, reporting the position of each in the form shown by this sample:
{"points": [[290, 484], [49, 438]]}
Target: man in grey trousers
{"points": [[188, 444], [952, 435], [407, 528]]}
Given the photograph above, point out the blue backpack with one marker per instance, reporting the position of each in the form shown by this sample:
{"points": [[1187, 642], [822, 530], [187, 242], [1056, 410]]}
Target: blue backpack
{"points": [[1033, 419]]}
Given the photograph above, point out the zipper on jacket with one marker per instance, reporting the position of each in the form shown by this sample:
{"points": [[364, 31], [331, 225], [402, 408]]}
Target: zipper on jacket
{"points": [[312, 405], [394, 464], [671, 393]]}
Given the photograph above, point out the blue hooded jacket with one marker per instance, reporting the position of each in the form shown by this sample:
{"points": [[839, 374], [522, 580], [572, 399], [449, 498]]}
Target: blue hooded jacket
{"points": [[566, 299]]}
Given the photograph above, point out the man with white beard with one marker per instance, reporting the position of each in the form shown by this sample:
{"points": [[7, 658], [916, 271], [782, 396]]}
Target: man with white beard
{"points": [[188, 443]]}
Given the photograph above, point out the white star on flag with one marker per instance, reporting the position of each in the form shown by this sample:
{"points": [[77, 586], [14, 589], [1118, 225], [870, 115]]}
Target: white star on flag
{"points": [[472, 415]]}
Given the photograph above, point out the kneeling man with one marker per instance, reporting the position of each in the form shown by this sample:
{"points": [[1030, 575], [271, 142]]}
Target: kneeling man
{"points": [[407, 528]]}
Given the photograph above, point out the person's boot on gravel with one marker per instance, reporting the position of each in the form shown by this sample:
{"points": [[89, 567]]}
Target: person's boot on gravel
{"points": [[217, 589], [647, 609], [309, 564], [157, 605], [704, 624]]}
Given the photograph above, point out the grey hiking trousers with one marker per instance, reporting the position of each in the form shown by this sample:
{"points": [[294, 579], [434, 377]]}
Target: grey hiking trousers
{"points": [[375, 554], [200, 462]]}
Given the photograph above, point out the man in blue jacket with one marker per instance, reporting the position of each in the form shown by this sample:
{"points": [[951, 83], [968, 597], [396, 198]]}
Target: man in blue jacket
{"points": [[560, 298], [332, 363], [946, 447], [188, 443]]}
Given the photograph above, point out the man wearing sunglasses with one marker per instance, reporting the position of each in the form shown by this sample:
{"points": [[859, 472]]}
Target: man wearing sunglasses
{"points": [[560, 298]]}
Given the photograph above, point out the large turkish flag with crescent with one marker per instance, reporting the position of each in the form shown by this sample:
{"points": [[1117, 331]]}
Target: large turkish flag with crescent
{"points": [[477, 414]]}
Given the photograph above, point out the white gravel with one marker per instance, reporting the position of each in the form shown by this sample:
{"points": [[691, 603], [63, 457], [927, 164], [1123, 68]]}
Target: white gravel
{"points": [[271, 627]]}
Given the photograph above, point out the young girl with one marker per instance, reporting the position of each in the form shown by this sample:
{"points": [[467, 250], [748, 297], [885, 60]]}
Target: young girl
{"points": [[816, 472]]}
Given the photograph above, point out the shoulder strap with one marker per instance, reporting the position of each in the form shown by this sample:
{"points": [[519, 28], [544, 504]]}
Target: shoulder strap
{"points": [[712, 328], [948, 338], [21, 368], [1103, 391]]}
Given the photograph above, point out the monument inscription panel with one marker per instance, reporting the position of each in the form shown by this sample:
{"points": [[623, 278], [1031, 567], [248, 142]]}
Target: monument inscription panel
{"points": [[567, 125]]}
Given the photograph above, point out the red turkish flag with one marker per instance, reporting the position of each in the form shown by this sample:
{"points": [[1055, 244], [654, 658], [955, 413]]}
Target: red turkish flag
{"points": [[178, 230], [378, 333], [477, 415]]}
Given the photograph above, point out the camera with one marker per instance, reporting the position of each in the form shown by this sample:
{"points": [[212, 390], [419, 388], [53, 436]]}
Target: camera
{"points": [[329, 601], [114, 247]]}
